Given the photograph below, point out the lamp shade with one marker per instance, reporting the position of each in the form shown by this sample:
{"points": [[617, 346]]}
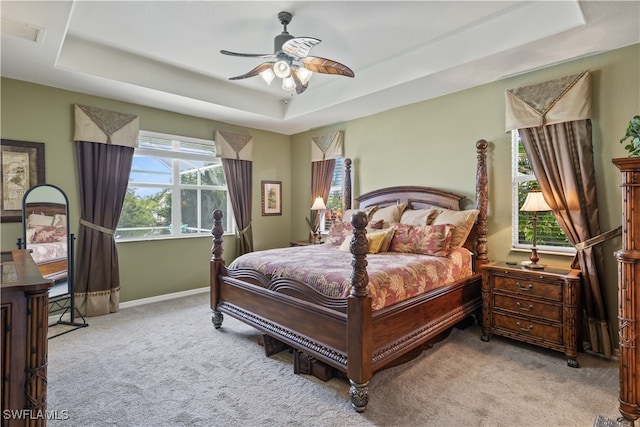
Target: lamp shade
{"points": [[318, 204], [535, 203]]}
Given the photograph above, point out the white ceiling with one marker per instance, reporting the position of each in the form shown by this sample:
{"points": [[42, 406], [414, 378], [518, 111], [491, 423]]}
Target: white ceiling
{"points": [[165, 54]]}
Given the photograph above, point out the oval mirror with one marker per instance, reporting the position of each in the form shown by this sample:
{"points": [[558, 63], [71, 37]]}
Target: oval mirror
{"points": [[46, 234]]}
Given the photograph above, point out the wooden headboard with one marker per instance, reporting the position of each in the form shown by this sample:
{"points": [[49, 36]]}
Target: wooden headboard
{"points": [[414, 197], [425, 197]]}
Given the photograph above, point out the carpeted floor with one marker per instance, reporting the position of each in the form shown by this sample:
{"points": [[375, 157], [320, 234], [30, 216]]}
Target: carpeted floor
{"points": [[164, 364]]}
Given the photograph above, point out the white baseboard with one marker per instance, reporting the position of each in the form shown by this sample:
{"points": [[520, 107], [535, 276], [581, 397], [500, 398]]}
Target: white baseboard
{"points": [[165, 297]]}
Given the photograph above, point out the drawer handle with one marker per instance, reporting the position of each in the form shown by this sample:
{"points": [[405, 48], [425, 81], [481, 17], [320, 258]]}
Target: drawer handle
{"points": [[524, 288], [524, 329], [523, 308]]}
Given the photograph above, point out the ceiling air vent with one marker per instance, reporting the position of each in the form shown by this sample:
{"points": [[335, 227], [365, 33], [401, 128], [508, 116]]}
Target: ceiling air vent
{"points": [[22, 30]]}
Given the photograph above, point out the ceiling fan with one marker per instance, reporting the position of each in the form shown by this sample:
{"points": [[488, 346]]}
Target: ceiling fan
{"points": [[291, 61]]}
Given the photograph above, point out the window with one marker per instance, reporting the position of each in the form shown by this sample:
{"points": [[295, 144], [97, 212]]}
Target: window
{"points": [[175, 185], [549, 236], [334, 201]]}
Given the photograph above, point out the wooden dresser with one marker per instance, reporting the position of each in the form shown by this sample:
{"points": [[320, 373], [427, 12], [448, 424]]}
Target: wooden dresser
{"points": [[628, 289], [24, 323], [539, 307]]}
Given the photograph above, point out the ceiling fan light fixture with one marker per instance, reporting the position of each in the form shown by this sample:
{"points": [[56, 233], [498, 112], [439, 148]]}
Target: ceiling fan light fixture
{"points": [[304, 75], [288, 83], [268, 75], [281, 69], [290, 61]]}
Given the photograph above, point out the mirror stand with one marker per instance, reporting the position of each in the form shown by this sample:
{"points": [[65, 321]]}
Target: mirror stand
{"points": [[66, 302], [45, 224]]}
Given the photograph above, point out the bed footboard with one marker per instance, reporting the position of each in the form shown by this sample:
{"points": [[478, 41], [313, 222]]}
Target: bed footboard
{"points": [[346, 339]]}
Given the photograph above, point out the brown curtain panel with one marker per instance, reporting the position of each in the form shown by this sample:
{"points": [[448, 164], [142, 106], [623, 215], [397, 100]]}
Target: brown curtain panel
{"points": [[321, 177], [562, 159], [239, 176], [104, 174]]}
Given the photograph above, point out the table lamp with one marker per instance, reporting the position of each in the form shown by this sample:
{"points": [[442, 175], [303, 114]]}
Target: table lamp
{"points": [[535, 203], [318, 205]]}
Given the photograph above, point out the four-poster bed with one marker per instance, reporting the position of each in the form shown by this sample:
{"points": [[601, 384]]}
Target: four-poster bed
{"points": [[355, 333]]}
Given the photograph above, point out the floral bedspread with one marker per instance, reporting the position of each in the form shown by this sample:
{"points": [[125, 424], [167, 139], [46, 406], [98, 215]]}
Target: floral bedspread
{"points": [[393, 277], [47, 251]]}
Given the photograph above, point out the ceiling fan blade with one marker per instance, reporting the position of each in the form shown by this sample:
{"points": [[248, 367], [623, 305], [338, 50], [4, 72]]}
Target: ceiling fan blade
{"points": [[299, 46], [326, 66], [248, 55], [300, 87], [260, 68]]}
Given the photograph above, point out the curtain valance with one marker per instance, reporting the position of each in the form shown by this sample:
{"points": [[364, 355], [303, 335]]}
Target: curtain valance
{"points": [[106, 127], [327, 146], [230, 145], [554, 101]]}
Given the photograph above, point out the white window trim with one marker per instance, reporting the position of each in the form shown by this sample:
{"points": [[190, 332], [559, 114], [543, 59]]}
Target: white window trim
{"points": [[515, 178], [176, 179]]}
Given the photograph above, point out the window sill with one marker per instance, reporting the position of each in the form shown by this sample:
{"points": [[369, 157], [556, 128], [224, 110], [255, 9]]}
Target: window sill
{"points": [[570, 252], [156, 239]]}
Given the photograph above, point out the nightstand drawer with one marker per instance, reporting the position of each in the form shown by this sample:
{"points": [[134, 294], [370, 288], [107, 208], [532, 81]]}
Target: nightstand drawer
{"points": [[528, 327], [528, 307], [528, 287]]}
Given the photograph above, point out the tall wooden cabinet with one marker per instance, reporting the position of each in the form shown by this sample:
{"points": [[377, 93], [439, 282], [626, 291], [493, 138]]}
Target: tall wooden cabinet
{"points": [[629, 290], [24, 324]]}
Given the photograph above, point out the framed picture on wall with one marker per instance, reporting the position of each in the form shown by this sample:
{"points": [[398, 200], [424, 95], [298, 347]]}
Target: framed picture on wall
{"points": [[21, 167], [271, 198]]}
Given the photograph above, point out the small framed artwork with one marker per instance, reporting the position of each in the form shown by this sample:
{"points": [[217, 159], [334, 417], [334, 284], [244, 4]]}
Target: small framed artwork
{"points": [[21, 167], [271, 198]]}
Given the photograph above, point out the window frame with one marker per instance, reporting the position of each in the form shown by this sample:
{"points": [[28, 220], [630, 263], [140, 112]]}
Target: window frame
{"points": [[176, 186], [517, 178], [338, 175]]}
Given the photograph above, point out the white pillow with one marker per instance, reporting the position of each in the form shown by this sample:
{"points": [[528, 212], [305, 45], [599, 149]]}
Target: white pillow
{"points": [[37, 219], [463, 220]]}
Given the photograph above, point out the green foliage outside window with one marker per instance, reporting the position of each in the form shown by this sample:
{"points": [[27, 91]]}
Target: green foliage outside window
{"points": [[548, 231]]}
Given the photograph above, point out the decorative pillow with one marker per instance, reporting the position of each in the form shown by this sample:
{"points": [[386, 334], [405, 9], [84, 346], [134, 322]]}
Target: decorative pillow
{"points": [[34, 220], [347, 214], [418, 216], [387, 239], [339, 231], [389, 214], [428, 239], [48, 234], [59, 220], [375, 239], [463, 220], [375, 225]]}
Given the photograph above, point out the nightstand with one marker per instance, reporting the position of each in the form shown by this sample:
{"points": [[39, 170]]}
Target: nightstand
{"points": [[539, 307]]}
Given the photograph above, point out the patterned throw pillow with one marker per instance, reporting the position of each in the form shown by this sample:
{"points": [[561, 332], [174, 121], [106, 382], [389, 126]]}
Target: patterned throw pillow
{"points": [[48, 234], [428, 240], [339, 231]]}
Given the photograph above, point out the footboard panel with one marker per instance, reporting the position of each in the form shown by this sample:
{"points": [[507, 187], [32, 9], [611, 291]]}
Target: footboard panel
{"points": [[405, 326], [316, 330]]}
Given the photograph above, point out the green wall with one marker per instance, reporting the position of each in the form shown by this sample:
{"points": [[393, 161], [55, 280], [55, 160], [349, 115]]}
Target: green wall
{"points": [[432, 143], [38, 113], [429, 143]]}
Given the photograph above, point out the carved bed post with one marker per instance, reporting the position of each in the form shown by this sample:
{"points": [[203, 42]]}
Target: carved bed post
{"points": [[359, 330], [346, 196], [482, 200], [216, 263]]}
